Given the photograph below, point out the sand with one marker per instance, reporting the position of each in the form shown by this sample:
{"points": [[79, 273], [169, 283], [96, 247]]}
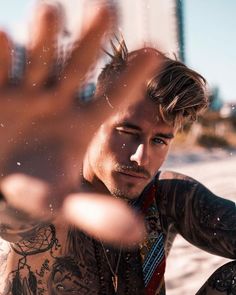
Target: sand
{"points": [[187, 266]]}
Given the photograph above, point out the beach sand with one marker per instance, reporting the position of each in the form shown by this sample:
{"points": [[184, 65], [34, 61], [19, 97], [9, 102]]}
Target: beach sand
{"points": [[187, 266]]}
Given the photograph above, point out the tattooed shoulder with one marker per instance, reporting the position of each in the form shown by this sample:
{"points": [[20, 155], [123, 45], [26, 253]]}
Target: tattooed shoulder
{"points": [[42, 265], [172, 175], [16, 225], [32, 259]]}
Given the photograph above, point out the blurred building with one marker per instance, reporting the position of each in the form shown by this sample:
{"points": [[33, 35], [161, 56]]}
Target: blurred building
{"points": [[158, 23], [215, 99], [155, 22]]}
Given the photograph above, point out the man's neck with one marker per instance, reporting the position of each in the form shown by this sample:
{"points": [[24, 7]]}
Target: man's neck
{"points": [[94, 186], [89, 182]]}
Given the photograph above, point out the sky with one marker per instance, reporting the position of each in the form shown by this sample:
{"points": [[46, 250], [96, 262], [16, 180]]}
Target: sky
{"points": [[13, 11], [210, 37]]}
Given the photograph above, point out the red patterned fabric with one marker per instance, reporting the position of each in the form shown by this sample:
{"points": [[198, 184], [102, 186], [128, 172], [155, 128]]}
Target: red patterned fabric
{"points": [[154, 259]]}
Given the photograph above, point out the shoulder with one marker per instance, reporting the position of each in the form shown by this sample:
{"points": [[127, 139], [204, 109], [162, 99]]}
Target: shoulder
{"points": [[172, 175], [171, 180], [173, 189]]}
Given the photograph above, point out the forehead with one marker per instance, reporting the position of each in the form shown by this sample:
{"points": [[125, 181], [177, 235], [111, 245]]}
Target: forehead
{"points": [[142, 113]]}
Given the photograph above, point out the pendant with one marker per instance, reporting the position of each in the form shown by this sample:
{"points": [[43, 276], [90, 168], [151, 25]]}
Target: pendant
{"points": [[115, 282]]}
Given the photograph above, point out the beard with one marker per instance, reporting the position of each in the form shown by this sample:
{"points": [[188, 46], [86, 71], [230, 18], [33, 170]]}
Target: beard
{"points": [[127, 190], [124, 194]]}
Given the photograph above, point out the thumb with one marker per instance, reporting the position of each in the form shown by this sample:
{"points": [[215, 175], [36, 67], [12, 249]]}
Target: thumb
{"points": [[105, 218]]}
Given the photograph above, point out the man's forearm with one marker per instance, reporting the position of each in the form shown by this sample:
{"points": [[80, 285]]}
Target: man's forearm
{"points": [[16, 225]]}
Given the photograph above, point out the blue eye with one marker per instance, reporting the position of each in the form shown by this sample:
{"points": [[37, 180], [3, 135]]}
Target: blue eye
{"points": [[158, 140]]}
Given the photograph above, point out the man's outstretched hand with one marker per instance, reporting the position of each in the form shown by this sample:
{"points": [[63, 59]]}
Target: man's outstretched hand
{"points": [[43, 133]]}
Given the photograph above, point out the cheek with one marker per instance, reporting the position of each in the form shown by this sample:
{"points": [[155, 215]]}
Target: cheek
{"points": [[99, 151], [110, 152], [118, 147], [158, 159]]}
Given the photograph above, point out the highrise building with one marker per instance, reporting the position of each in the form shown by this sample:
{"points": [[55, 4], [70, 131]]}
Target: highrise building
{"points": [[158, 23], [155, 22]]}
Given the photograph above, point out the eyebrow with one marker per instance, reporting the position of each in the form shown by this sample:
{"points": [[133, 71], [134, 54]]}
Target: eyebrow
{"points": [[130, 126], [165, 135], [135, 127]]}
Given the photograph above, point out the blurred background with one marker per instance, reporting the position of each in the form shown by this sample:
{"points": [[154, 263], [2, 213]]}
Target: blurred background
{"points": [[201, 34]]}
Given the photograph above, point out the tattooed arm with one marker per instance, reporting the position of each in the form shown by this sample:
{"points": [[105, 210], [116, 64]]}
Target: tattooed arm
{"points": [[16, 225], [204, 219], [28, 248]]}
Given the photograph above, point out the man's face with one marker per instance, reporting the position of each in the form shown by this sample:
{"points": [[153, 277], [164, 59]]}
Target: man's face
{"points": [[128, 149]]}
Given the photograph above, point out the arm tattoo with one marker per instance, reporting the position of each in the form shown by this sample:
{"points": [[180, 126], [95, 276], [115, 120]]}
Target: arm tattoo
{"points": [[22, 280]]}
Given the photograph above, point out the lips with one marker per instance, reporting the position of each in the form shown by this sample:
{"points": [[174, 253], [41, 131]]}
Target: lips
{"points": [[133, 174]]}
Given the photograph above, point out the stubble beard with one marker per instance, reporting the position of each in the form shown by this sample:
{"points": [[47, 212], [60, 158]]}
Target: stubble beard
{"points": [[123, 194]]}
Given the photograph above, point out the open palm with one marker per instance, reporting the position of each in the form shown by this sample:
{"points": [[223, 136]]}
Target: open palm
{"points": [[44, 135]]}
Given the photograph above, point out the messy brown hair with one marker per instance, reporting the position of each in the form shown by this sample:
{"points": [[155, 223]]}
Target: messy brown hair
{"points": [[179, 92]]}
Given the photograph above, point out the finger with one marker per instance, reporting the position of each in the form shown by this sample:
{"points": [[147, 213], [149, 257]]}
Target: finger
{"points": [[104, 218], [130, 86], [27, 194], [43, 44], [5, 57], [85, 51]]}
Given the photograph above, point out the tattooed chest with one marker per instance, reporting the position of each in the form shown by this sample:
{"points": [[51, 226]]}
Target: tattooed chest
{"points": [[28, 281], [49, 262], [28, 264]]}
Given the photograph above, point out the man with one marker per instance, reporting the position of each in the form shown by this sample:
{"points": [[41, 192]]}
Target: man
{"points": [[123, 159]]}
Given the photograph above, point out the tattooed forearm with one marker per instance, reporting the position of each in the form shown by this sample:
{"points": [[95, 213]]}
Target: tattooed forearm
{"points": [[40, 274], [29, 276], [43, 239], [45, 268], [16, 225], [222, 281]]}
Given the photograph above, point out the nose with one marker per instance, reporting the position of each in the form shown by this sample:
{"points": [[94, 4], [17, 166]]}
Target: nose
{"points": [[140, 156]]}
